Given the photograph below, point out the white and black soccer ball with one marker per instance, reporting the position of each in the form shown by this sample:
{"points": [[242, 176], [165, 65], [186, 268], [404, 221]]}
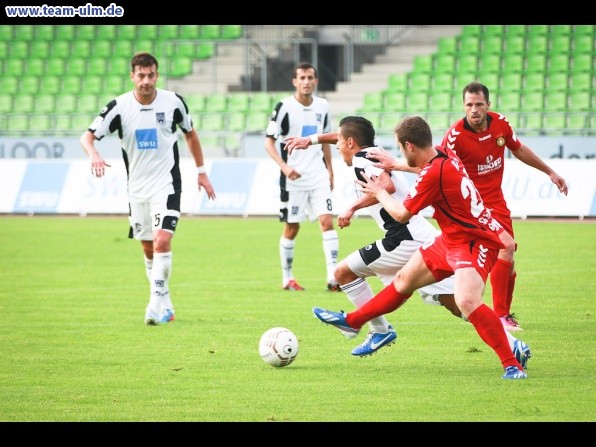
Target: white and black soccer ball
{"points": [[278, 347]]}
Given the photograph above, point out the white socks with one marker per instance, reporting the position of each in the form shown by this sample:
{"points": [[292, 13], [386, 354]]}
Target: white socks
{"points": [[159, 285], [359, 292], [331, 250]]}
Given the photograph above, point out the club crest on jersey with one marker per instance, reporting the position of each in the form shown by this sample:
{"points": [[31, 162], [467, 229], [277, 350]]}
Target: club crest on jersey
{"points": [[161, 118], [319, 117], [500, 141]]}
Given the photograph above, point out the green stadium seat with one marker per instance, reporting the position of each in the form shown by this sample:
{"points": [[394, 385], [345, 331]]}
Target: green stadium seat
{"points": [[205, 50], [123, 48], [581, 100], [534, 81], [257, 121], [417, 102], [64, 32], [24, 103], [19, 49], [76, 66], [216, 103], [423, 63], [444, 63], [582, 62], [50, 84], [18, 124], [236, 122], [79, 123], [372, 102], [537, 30], [6, 33], [559, 63], [24, 33], [490, 79], [560, 44], [80, 48], [440, 101], [168, 32], [512, 63], [576, 122], [92, 83], [418, 82], [147, 45], [56, 66], [126, 32], [66, 103], [493, 30], [582, 80], [13, 67], [397, 82], [85, 32], [532, 124], [209, 32], [179, 67], [533, 101], [555, 100], [507, 101], [554, 123], [97, 65], [536, 62], [39, 49], [120, 65], [394, 102], [515, 30], [4, 50], [36, 67], [230, 32], [89, 104], [146, 31], [6, 103], [490, 62], [537, 44], [467, 63], [181, 49], [492, 44], [514, 44], [44, 103], [101, 49], [189, 32], [557, 81], [62, 124], [114, 84], [29, 85], [260, 102], [71, 84], [561, 30], [472, 30], [195, 102], [106, 32], [469, 45], [583, 44], [211, 121], [389, 120], [59, 49], [442, 81], [238, 102], [447, 45], [463, 79], [438, 122], [9, 84]]}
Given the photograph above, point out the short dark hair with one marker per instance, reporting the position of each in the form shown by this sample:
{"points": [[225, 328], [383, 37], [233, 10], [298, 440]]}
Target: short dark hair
{"points": [[415, 130], [143, 59], [358, 128], [305, 66], [475, 88]]}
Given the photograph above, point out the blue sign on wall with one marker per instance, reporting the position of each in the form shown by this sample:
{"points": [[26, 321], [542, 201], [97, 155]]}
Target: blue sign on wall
{"points": [[41, 188], [232, 183]]}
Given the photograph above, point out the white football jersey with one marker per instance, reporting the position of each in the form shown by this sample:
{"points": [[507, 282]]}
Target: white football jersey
{"points": [[419, 228], [149, 138], [290, 118]]}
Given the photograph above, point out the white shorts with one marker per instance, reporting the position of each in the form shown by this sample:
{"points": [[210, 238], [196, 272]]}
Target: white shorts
{"points": [[309, 205], [374, 260], [162, 212]]}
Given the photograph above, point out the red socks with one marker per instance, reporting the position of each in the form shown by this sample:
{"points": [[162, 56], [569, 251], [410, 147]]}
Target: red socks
{"points": [[499, 281], [384, 302]]}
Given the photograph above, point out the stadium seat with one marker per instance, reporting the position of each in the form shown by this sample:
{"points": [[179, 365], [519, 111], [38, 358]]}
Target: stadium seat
{"points": [[195, 102], [467, 63], [238, 102], [236, 122], [560, 44], [4, 50], [555, 100], [576, 123], [189, 32], [120, 65], [19, 49], [147, 45], [554, 123], [472, 30], [490, 62], [419, 82], [537, 44], [515, 30], [559, 63], [514, 120], [147, 31], [59, 49], [40, 124], [76, 66], [394, 102], [440, 101], [92, 83], [583, 44], [556, 81], [423, 63], [507, 101], [167, 32], [533, 101], [101, 49], [44, 103], [444, 63], [389, 120], [535, 62], [532, 124], [88, 104], [85, 33], [493, 30], [209, 32], [123, 48], [6, 33], [442, 81], [179, 67], [61, 124], [490, 79], [29, 85], [512, 63], [24, 103], [80, 48], [216, 103], [514, 43], [582, 80], [438, 122], [397, 82], [537, 30], [372, 102], [469, 45], [561, 30], [581, 100], [230, 32], [114, 84], [13, 67], [534, 81], [126, 33], [205, 50], [582, 62], [106, 32], [50, 84], [211, 121], [6, 103], [447, 45], [66, 103], [55, 66], [39, 49], [64, 32], [24, 33], [79, 123], [257, 121], [417, 102], [18, 124], [71, 84], [260, 102], [492, 44], [9, 84]]}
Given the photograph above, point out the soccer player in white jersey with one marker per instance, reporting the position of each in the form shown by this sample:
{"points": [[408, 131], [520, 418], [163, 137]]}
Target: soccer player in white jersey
{"points": [[147, 120], [384, 257], [306, 177]]}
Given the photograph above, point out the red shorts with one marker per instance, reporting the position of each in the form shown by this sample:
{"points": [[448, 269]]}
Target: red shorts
{"points": [[443, 261], [502, 214]]}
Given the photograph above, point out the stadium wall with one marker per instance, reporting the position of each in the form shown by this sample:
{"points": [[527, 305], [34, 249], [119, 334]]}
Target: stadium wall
{"points": [[249, 187]]}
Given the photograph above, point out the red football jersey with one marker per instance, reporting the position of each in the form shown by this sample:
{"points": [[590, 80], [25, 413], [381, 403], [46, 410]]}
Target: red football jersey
{"points": [[458, 207], [483, 154]]}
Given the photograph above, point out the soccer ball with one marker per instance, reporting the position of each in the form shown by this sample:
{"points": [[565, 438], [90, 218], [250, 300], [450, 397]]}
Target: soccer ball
{"points": [[278, 347]]}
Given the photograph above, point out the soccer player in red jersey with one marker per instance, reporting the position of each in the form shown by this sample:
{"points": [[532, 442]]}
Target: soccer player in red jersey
{"points": [[467, 247], [479, 140]]}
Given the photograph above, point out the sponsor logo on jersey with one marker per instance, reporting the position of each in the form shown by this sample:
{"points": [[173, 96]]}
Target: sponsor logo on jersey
{"points": [[490, 166]]}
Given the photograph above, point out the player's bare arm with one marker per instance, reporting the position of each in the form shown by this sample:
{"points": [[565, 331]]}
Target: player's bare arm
{"points": [[305, 142], [388, 162], [374, 186], [98, 164], [529, 157]]}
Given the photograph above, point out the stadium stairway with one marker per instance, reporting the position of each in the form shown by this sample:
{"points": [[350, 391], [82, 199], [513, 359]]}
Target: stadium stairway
{"points": [[398, 58]]}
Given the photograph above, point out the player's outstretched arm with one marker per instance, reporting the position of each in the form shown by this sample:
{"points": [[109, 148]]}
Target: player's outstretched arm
{"points": [[293, 143], [388, 162]]}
